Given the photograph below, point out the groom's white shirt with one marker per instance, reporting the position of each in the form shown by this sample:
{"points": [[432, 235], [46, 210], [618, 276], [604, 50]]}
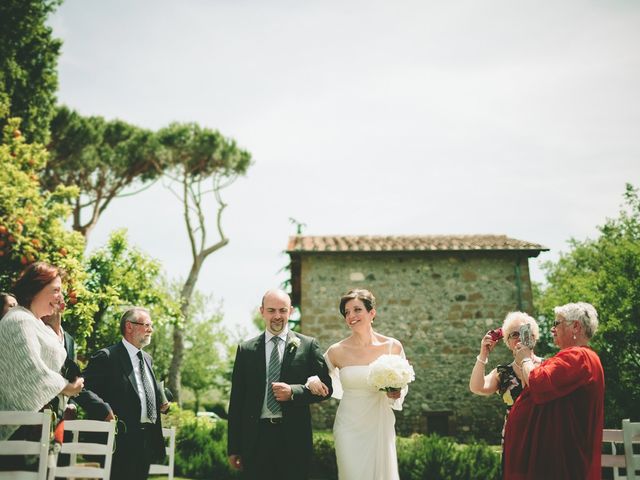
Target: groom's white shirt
{"points": [[268, 346]]}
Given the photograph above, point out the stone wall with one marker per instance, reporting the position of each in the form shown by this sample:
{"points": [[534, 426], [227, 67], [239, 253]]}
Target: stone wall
{"points": [[438, 305]]}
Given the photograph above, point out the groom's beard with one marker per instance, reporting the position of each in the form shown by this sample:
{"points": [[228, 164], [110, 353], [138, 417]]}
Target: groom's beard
{"points": [[277, 326]]}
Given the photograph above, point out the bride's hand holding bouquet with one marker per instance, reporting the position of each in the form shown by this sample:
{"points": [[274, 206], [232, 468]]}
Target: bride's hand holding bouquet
{"points": [[390, 373]]}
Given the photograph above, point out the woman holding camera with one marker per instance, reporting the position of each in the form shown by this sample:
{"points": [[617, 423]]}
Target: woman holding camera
{"points": [[503, 379], [555, 428]]}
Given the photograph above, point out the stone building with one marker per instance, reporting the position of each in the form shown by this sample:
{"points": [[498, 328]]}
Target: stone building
{"points": [[438, 295]]}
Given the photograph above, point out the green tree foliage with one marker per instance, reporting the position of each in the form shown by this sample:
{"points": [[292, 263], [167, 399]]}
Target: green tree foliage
{"points": [[606, 273], [32, 223], [119, 277], [206, 359], [201, 163], [28, 62], [102, 158]]}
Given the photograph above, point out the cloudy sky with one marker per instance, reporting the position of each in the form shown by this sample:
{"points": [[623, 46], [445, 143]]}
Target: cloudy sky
{"points": [[368, 117]]}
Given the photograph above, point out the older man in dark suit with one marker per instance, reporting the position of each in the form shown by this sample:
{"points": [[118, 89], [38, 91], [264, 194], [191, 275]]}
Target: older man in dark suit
{"points": [[122, 376], [269, 419]]}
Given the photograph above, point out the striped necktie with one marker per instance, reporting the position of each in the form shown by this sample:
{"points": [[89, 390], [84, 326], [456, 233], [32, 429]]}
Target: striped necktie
{"points": [[148, 390], [274, 376]]}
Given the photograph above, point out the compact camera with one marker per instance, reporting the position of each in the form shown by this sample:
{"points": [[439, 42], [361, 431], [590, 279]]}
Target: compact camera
{"points": [[496, 334]]}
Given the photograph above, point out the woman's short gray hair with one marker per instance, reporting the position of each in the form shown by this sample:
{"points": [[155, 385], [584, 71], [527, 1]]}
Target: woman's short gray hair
{"points": [[512, 322], [582, 312]]}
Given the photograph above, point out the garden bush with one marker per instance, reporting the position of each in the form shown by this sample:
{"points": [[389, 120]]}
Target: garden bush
{"points": [[420, 457], [201, 446], [201, 452], [323, 462]]}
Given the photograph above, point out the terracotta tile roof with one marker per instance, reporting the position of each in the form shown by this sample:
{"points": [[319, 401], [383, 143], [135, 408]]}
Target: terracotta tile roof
{"points": [[410, 243]]}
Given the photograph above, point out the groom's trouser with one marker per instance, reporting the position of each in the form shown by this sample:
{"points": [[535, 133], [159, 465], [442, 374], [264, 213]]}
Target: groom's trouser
{"points": [[273, 460]]}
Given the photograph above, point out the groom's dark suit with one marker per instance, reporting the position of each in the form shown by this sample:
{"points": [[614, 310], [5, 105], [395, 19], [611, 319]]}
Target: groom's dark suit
{"points": [[247, 432], [110, 375]]}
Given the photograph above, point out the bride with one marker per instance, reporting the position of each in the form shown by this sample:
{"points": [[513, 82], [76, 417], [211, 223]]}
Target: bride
{"points": [[364, 427]]}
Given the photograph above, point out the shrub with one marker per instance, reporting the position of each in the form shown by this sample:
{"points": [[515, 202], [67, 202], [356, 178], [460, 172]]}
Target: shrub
{"points": [[201, 446], [420, 457], [440, 458], [323, 462], [477, 462], [201, 452]]}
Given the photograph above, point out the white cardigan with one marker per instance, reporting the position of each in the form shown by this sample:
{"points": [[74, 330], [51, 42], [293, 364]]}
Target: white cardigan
{"points": [[31, 357]]}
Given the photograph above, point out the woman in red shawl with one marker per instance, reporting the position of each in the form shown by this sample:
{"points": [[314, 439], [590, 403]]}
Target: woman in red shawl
{"points": [[554, 429]]}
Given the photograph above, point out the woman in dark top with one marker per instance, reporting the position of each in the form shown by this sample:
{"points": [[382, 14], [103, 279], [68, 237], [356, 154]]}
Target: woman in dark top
{"points": [[503, 379]]}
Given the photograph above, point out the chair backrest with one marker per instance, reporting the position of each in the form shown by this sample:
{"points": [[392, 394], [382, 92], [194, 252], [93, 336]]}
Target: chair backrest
{"points": [[613, 460], [38, 447], [80, 447], [631, 435], [159, 469]]}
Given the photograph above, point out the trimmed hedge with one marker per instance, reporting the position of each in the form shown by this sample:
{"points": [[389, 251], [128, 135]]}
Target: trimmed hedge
{"points": [[201, 452]]}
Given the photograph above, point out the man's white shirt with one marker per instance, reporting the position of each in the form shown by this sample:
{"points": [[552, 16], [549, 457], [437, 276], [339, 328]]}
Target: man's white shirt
{"points": [[135, 361]]}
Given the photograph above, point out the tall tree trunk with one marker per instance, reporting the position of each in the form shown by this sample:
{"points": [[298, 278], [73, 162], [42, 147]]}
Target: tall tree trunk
{"points": [[178, 335], [196, 408], [192, 203]]}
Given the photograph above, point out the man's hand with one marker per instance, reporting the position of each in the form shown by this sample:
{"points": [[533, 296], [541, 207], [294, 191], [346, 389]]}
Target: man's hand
{"points": [[282, 391], [235, 461], [110, 417], [70, 412], [164, 408]]}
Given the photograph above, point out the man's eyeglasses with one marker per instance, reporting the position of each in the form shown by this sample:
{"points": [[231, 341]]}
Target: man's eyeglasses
{"points": [[146, 325]]}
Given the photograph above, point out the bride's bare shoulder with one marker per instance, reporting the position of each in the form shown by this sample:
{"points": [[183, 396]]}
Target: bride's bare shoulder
{"points": [[394, 345], [337, 352]]}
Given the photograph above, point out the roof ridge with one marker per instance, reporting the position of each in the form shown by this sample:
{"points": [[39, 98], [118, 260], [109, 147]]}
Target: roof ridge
{"points": [[435, 242]]}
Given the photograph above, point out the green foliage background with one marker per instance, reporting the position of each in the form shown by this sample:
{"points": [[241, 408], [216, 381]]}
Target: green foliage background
{"points": [[32, 222], [28, 62], [606, 273], [119, 277]]}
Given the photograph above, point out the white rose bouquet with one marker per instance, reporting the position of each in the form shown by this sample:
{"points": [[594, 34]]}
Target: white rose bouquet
{"points": [[390, 372]]}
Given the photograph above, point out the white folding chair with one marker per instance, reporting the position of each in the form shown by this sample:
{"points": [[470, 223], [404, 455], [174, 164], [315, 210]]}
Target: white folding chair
{"points": [[26, 447], [167, 469], [77, 447], [613, 460], [631, 435]]}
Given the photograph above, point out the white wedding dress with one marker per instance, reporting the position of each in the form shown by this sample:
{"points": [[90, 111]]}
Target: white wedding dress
{"points": [[364, 427]]}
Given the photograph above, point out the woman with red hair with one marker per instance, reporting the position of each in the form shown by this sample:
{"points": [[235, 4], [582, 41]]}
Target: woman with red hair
{"points": [[31, 355]]}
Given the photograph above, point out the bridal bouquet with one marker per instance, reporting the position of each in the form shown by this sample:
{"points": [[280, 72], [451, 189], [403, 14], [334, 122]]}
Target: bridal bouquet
{"points": [[390, 372]]}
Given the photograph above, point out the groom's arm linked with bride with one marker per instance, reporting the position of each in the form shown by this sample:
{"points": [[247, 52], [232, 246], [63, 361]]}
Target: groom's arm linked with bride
{"points": [[269, 404]]}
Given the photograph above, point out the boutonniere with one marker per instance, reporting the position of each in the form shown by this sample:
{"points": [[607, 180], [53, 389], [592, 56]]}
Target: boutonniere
{"points": [[293, 344]]}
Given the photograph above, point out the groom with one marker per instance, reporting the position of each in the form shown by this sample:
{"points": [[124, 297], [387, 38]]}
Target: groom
{"points": [[269, 418]]}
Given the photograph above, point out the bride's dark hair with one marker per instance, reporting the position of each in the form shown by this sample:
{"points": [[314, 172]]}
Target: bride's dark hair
{"points": [[365, 296]]}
